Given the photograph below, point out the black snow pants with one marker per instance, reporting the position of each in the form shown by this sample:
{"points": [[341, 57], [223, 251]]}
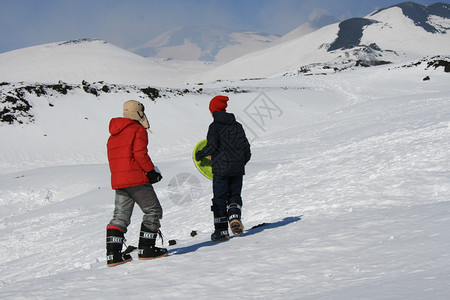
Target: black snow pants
{"points": [[227, 191]]}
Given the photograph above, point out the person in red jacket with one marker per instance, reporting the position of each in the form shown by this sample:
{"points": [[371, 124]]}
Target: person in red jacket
{"points": [[132, 176]]}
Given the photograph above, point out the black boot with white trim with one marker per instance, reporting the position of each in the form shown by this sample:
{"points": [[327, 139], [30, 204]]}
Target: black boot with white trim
{"points": [[114, 241], [220, 228], [234, 217], [146, 248]]}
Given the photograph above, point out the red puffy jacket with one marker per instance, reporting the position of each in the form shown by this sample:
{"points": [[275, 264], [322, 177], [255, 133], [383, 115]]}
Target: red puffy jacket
{"points": [[127, 153]]}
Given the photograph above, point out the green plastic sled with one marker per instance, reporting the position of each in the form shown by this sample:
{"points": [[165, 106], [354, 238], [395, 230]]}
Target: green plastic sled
{"points": [[205, 165]]}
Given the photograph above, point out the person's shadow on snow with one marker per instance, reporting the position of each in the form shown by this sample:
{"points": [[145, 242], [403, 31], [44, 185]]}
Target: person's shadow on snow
{"points": [[254, 230]]}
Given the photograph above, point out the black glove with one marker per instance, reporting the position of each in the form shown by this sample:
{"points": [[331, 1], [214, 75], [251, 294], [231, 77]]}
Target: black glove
{"points": [[198, 156], [154, 176]]}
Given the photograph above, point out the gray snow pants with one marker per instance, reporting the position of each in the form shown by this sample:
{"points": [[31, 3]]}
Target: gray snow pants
{"points": [[145, 197]]}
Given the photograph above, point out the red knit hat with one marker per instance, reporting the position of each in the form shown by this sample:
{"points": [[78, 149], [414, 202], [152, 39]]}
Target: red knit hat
{"points": [[218, 103]]}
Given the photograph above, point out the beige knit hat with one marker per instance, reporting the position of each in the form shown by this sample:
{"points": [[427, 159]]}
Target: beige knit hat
{"points": [[134, 110]]}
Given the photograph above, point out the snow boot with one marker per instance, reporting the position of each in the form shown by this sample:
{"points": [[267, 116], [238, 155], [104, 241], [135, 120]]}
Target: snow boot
{"points": [[220, 228], [146, 248], [114, 256], [234, 217]]}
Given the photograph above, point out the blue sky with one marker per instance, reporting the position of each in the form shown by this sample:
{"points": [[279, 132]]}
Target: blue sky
{"points": [[128, 23]]}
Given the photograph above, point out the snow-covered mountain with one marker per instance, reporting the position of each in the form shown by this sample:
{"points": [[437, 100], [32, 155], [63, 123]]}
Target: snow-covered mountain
{"points": [[209, 43], [398, 33], [314, 24], [204, 43], [85, 60]]}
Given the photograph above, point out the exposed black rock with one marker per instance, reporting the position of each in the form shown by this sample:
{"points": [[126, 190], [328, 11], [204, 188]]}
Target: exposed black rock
{"points": [[350, 33]]}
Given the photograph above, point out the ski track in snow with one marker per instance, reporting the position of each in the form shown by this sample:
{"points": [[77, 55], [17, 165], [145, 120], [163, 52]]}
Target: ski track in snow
{"points": [[354, 195]]}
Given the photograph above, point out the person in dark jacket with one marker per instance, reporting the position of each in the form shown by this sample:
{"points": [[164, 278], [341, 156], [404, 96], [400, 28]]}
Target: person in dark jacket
{"points": [[132, 176], [230, 151]]}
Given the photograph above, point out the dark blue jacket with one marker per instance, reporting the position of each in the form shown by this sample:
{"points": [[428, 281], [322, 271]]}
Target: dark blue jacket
{"points": [[227, 145]]}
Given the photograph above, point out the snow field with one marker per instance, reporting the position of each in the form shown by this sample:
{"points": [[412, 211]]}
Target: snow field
{"points": [[351, 179]]}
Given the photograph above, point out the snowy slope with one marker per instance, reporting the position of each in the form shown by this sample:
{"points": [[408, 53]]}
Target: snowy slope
{"points": [[277, 59], [388, 35], [350, 175], [312, 25], [87, 59], [414, 43]]}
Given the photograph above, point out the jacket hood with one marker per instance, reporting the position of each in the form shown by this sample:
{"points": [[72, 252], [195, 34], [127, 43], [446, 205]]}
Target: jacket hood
{"points": [[116, 125], [224, 117]]}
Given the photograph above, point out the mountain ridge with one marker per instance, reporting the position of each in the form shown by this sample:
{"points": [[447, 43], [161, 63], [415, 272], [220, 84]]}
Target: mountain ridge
{"points": [[419, 14], [204, 43], [385, 36], [210, 43]]}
